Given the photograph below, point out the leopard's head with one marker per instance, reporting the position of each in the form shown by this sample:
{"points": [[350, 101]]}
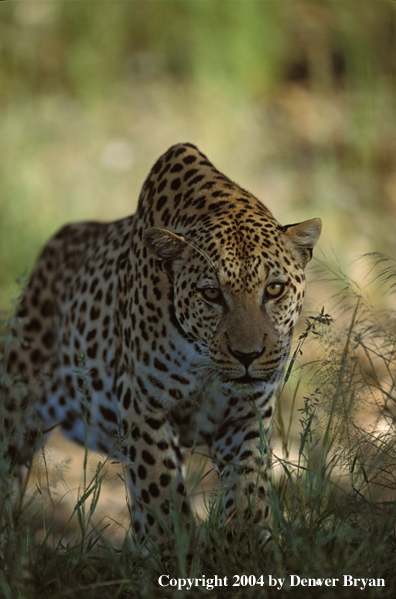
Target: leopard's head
{"points": [[238, 293]]}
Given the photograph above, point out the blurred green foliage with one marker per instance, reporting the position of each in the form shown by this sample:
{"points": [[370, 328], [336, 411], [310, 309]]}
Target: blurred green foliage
{"points": [[84, 47], [294, 99]]}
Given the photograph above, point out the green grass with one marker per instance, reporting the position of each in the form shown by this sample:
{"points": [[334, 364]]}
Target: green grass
{"points": [[332, 500]]}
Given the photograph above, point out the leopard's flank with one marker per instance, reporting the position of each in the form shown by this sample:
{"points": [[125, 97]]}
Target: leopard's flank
{"points": [[184, 313]]}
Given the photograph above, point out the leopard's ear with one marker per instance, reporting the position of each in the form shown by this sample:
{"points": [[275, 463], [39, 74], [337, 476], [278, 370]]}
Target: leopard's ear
{"points": [[304, 237], [164, 244]]}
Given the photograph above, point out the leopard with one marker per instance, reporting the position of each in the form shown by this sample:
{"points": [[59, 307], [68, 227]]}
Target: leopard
{"points": [[183, 315]]}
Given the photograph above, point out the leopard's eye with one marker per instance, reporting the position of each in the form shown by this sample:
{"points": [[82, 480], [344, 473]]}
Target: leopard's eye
{"points": [[274, 290], [211, 294]]}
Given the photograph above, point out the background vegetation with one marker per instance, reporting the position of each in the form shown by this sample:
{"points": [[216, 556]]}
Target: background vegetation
{"points": [[296, 101]]}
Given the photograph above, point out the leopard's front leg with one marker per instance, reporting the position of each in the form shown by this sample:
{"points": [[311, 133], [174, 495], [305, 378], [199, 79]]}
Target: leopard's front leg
{"points": [[156, 481], [242, 456]]}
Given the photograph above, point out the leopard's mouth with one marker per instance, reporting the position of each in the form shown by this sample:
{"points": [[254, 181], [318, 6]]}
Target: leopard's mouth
{"points": [[247, 379]]}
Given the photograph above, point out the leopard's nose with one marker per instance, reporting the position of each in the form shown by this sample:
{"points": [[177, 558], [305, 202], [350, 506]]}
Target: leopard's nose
{"points": [[245, 358]]}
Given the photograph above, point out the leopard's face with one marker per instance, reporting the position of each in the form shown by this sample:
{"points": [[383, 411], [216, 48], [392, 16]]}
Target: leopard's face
{"points": [[240, 306]]}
